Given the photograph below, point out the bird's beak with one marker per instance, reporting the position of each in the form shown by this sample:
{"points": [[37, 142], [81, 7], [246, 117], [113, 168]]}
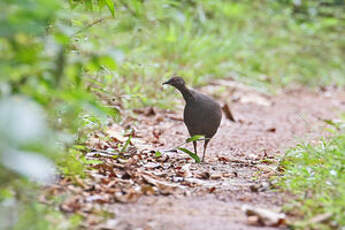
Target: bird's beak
{"points": [[166, 83]]}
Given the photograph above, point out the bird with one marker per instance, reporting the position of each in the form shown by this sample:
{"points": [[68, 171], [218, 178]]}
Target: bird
{"points": [[202, 114]]}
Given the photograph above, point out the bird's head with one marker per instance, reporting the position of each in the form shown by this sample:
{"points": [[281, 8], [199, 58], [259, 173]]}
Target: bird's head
{"points": [[177, 82]]}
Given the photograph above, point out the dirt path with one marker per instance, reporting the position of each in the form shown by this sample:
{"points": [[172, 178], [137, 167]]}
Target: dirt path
{"points": [[147, 191], [265, 127]]}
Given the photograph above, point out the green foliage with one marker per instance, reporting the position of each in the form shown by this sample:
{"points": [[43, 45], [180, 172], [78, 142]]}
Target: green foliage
{"points": [[316, 176], [72, 164], [19, 209], [125, 146], [191, 154], [195, 138], [36, 216], [94, 4], [37, 61], [110, 5], [26, 17], [263, 44], [307, 10], [44, 102], [158, 154]]}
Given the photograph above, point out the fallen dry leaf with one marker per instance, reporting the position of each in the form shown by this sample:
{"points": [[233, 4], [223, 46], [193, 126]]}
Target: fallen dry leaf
{"points": [[164, 187], [204, 175], [216, 176], [72, 204], [227, 111], [186, 170], [115, 132], [149, 111], [263, 216], [130, 197], [272, 130]]}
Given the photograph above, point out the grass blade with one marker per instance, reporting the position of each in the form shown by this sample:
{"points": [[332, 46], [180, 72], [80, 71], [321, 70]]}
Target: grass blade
{"points": [[191, 154], [124, 148], [111, 7], [194, 138]]}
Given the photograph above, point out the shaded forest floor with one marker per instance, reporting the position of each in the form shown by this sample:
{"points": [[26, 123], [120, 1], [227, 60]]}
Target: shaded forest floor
{"points": [[143, 189]]}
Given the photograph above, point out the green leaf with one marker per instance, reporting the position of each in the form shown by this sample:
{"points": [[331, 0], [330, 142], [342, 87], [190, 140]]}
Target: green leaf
{"points": [[87, 161], [80, 147], [107, 61], [88, 5], [191, 154], [194, 138], [110, 5], [124, 148], [158, 154], [101, 3], [330, 122]]}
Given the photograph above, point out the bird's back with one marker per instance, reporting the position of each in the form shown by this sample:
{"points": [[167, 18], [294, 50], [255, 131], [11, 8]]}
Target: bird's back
{"points": [[202, 115]]}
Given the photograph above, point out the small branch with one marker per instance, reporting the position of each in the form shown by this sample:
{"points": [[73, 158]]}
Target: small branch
{"points": [[91, 24]]}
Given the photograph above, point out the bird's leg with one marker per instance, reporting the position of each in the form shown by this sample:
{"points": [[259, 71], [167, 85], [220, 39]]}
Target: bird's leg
{"points": [[195, 147], [205, 146]]}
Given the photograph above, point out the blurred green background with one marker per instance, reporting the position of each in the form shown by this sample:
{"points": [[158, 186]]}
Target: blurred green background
{"points": [[61, 62]]}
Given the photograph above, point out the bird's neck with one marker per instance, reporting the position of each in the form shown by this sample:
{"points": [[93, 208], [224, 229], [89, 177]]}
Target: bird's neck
{"points": [[186, 93]]}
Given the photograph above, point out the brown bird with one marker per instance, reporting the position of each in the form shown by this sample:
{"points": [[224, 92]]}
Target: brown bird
{"points": [[202, 114]]}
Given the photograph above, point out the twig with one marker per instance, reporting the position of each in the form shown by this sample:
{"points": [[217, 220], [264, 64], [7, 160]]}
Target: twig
{"points": [[91, 24]]}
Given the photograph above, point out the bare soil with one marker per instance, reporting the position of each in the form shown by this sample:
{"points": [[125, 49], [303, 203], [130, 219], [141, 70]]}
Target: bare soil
{"points": [[145, 191]]}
